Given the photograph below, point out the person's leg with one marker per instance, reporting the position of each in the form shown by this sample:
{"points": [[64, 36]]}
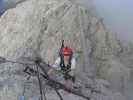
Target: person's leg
{"points": [[68, 84]]}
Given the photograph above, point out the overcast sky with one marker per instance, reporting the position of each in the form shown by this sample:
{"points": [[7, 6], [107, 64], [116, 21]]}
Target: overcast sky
{"points": [[118, 15], [1, 6]]}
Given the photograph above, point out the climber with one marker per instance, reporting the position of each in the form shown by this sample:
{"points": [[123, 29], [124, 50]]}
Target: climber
{"points": [[66, 63]]}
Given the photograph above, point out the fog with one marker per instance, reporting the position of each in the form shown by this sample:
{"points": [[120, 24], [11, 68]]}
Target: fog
{"points": [[117, 15]]}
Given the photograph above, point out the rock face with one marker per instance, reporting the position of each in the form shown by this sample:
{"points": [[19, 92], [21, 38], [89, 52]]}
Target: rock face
{"points": [[40, 25]]}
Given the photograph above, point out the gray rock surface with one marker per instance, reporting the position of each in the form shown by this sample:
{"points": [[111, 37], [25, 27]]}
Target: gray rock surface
{"points": [[39, 26]]}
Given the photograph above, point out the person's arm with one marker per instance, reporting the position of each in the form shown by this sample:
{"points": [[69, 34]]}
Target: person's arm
{"points": [[54, 66], [50, 71], [73, 67]]}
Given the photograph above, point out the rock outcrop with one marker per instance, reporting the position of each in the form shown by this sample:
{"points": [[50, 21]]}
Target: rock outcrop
{"points": [[39, 26]]}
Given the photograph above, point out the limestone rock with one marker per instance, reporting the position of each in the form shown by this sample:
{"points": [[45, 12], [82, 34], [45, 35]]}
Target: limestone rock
{"points": [[38, 26]]}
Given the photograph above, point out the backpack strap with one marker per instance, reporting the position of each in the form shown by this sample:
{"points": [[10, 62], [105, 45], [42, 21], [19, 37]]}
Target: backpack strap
{"points": [[62, 64]]}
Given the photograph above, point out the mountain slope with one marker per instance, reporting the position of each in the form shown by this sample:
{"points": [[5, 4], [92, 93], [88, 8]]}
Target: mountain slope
{"points": [[40, 26]]}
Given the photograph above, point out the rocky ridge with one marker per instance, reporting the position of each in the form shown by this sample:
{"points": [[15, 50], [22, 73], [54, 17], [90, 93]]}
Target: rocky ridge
{"points": [[39, 26]]}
